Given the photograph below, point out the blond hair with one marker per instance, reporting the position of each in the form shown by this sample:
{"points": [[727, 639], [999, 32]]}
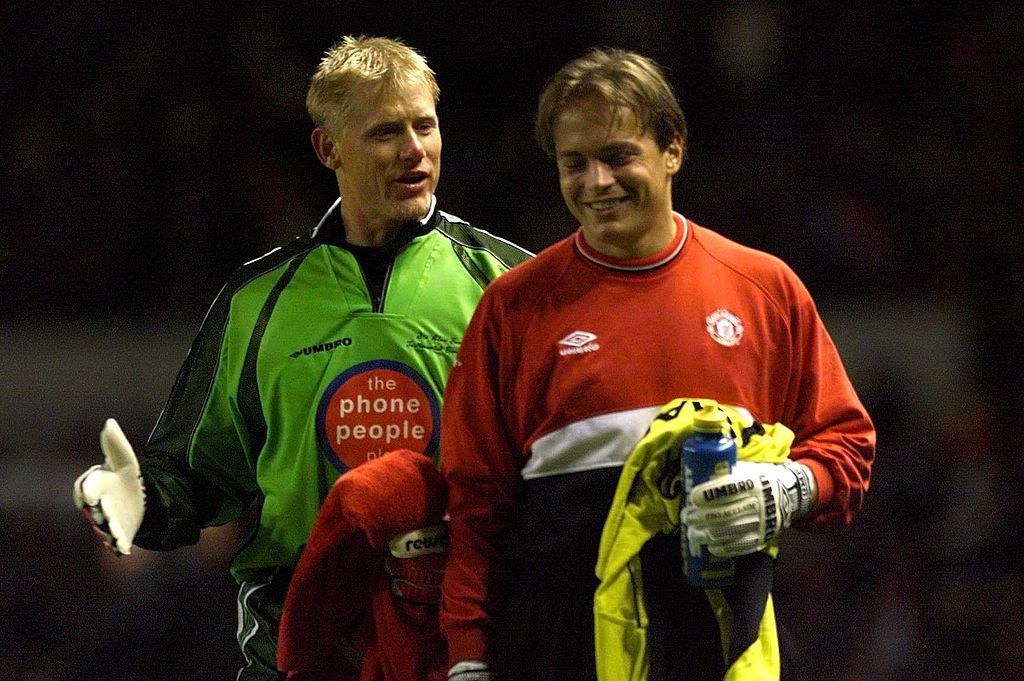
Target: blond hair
{"points": [[350, 66], [623, 79]]}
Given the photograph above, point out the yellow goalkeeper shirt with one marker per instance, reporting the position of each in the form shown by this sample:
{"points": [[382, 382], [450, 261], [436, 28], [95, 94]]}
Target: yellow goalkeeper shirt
{"points": [[645, 505]]}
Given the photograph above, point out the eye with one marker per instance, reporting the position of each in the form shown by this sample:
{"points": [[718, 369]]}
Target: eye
{"points": [[618, 158], [426, 127], [385, 132], [571, 164]]}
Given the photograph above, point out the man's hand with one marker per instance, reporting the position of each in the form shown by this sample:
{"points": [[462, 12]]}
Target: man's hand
{"points": [[112, 495], [742, 512]]}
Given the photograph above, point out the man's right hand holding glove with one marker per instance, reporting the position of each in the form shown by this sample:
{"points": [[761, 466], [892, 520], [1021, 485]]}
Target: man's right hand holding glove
{"points": [[744, 511], [112, 495]]}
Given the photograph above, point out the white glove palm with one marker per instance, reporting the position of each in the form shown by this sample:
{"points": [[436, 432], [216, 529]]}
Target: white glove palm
{"points": [[742, 512], [112, 495]]}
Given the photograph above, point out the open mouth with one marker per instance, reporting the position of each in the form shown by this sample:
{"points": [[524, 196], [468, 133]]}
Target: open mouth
{"points": [[413, 178]]}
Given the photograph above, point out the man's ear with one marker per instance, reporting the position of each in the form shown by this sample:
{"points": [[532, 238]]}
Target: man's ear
{"points": [[323, 145], [674, 155]]}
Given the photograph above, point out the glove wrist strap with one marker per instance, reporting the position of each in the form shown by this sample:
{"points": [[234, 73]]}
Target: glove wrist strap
{"points": [[800, 489]]}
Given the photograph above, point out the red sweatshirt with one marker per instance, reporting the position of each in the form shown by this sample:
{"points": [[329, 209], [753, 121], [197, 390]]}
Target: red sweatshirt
{"points": [[565, 362], [350, 598]]}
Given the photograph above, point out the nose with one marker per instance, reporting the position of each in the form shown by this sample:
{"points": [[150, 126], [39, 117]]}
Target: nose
{"points": [[412, 147], [598, 176]]}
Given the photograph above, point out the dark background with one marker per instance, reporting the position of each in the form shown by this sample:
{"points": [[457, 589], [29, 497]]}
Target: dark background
{"points": [[147, 149]]}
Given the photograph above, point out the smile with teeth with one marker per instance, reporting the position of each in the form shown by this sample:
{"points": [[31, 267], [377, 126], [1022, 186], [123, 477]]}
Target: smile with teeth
{"points": [[607, 203]]}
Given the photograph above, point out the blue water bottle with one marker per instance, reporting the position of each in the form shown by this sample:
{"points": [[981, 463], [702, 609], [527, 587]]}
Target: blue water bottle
{"points": [[707, 453]]}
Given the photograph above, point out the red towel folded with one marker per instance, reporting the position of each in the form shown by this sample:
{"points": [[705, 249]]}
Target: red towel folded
{"points": [[349, 597]]}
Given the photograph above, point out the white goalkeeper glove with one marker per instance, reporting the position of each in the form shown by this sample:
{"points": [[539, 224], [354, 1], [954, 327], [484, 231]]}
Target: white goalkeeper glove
{"points": [[469, 670], [112, 495], [743, 511]]}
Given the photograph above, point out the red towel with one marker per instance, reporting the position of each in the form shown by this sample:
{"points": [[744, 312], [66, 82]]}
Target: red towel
{"points": [[344, 598]]}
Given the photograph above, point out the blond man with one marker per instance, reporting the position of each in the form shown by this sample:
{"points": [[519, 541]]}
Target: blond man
{"points": [[316, 357]]}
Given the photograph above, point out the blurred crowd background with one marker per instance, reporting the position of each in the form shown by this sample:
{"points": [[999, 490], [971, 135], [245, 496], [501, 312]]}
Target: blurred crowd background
{"points": [[150, 148]]}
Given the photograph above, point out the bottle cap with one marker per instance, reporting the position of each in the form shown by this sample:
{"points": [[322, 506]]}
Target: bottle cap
{"points": [[709, 420]]}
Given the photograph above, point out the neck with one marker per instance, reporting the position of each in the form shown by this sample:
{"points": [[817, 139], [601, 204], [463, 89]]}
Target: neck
{"points": [[633, 246], [360, 231], [367, 230]]}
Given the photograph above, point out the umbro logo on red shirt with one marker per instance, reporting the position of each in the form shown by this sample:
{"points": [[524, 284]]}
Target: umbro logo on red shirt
{"points": [[577, 343]]}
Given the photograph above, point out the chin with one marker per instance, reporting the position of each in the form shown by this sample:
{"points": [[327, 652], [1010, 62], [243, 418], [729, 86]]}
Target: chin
{"points": [[609, 230], [413, 209]]}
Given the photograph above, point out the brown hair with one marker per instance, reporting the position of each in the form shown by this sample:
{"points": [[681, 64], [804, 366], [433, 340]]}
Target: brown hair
{"points": [[623, 79]]}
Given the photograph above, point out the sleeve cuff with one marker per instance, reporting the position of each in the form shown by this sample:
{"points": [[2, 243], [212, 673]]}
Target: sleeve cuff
{"points": [[823, 478]]}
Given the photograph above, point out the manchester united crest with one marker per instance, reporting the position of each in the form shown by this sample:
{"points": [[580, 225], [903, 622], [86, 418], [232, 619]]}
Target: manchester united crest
{"points": [[725, 327]]}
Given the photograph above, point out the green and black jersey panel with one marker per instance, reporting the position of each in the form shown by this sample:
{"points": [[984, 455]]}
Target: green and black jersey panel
{"points": [[297, 375], [181, 500], [484, 255]]}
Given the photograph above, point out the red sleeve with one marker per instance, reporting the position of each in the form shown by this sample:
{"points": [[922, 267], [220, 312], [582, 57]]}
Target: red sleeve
{"points": [[834, 434], [481, 467]]}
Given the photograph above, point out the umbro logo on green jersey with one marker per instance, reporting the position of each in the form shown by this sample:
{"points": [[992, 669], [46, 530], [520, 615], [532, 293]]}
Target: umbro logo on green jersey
{"points": [[321, 347]]}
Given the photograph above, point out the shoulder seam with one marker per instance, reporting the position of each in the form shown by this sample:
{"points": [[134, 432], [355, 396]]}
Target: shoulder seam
{"points": [[755, 282], [482, 232], [267, 262]]}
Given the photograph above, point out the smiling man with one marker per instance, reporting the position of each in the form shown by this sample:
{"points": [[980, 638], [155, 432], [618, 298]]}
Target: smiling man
{"points": [[565, 364], [316, 357], [616, 178]]}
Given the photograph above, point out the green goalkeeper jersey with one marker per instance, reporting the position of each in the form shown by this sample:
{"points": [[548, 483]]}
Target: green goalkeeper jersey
{"points": [[304, 367]]}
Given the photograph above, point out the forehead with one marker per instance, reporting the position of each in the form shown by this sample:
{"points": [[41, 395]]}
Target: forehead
{"points": [[590, 123], [376, 104]]}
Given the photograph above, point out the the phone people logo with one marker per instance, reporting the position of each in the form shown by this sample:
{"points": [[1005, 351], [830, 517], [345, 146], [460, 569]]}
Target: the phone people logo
{"points": [[374, 408]]}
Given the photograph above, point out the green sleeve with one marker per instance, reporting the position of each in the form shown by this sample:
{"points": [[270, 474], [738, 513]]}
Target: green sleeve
{"points": [[199, 463]]}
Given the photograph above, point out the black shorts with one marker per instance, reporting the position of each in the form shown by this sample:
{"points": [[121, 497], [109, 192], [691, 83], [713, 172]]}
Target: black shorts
{"points": [[545, 629]]}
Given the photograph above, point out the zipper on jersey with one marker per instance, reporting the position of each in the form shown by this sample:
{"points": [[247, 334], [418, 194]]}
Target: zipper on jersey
{"points": [[387, 281], [365, 266], [380, 262]]}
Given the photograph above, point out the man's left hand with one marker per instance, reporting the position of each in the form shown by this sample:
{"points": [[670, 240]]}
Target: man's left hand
{"points": [[743, 511]]}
